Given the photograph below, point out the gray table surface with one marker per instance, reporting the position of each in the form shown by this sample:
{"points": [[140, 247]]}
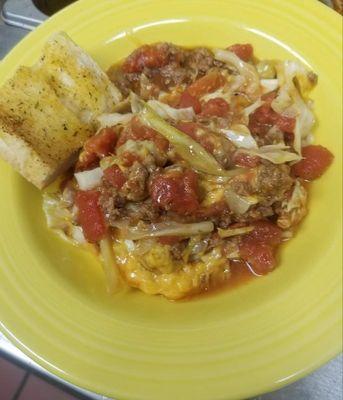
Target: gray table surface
{"points": [[324, 384]]}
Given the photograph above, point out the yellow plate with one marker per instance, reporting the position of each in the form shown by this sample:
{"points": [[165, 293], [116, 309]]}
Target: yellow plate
{"points": [[231, 345]]}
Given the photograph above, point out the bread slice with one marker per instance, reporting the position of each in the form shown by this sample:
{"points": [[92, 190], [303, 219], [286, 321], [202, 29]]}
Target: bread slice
{"points": [[47, 111], [39, 135], [77, 79]]}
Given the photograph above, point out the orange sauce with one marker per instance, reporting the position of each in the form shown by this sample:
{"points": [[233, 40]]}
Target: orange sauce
{"points": [[241, 273]]}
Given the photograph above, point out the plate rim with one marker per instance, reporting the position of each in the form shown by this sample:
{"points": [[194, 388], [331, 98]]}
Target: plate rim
{"points": [[50, 367]]}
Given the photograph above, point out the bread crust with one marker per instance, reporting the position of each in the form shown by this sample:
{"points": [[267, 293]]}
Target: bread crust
{"points": [[48, 111]]}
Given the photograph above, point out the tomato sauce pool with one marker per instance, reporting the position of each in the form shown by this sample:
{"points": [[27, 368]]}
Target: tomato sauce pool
{"points": [[241, 272]]}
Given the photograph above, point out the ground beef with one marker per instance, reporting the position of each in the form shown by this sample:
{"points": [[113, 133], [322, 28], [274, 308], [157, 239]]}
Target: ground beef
{"points": [[269, 182], [244, 184], [125, 82], [224, 152], [255, 213], [272, 182], [143, 211], [135, 188], [183, 67], [147, 88], [116, 207], [201, 60], [146, 82], [112, 203], [171, 75], [224, 220]]}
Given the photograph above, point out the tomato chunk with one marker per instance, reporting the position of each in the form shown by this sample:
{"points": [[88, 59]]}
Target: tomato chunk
{"points": [[315, 162], [216, 107], [285, 124], [96, 147], [262, 119], [102, 143], [243, 51], [187, 100], [145, 56], [207, 84], [204, 139], [175, 191], [258, 246], [114, 176], [264, 232], [90, 215], [260, 257], [137, 131], [246, 160], [170, 240]]}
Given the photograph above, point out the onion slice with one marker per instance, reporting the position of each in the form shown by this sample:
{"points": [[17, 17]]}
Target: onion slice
{"points": [[165, 229], [89, 179]]}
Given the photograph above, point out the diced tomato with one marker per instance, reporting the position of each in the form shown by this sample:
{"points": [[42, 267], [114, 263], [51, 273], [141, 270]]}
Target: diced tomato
{"points": [[102, 143], [265, 232], [170, 240], [243, 51], [96, 147], [263, 118], [145, 56], [246, 160], [216, 107], [260, 257], [315, 162], [258, 246], [207, 84], [187, 100], [191, 128], [285, 124], [114, 176], [138, 131], [175, 191], [90, 215]]}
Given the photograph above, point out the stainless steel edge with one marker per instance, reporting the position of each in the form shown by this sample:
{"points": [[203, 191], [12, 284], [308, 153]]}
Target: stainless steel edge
{"points": [[12, 352], [13, 14]]}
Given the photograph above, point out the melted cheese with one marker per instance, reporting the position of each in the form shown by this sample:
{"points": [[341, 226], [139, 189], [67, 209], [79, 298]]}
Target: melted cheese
{"points": [[184, 278]]}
